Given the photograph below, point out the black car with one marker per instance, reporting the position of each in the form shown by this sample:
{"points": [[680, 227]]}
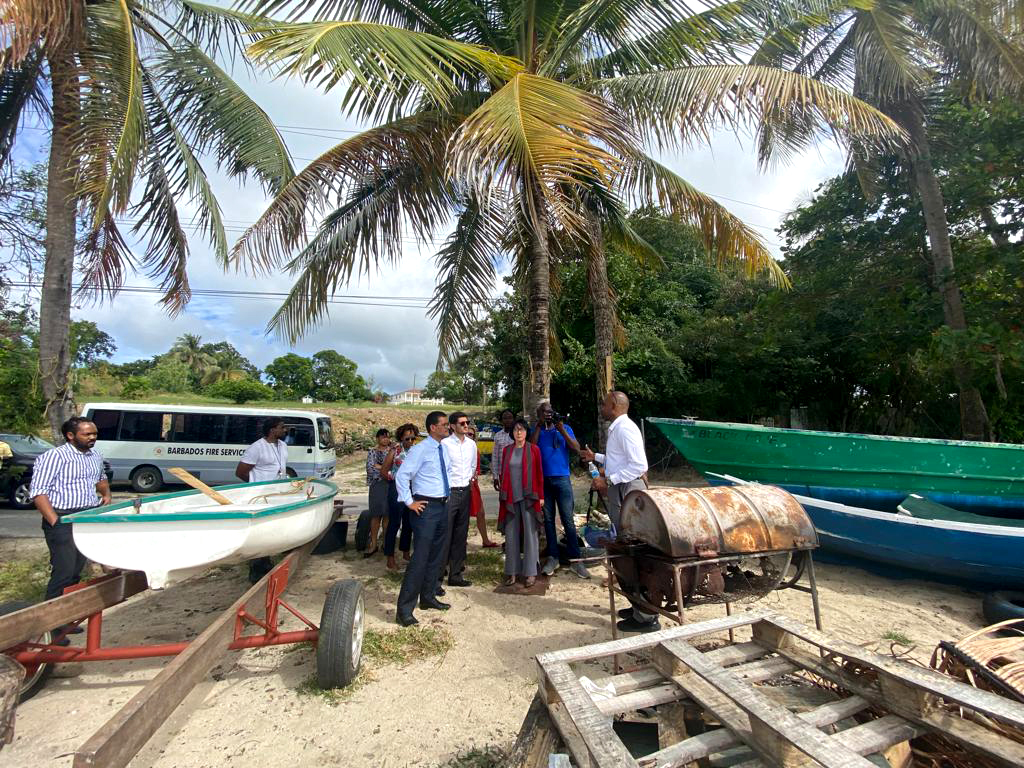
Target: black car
{"points": [[16, 472]]}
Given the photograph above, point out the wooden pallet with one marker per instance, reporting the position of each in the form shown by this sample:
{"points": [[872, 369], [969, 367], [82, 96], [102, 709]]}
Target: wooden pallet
{"points": [[878, 705]]}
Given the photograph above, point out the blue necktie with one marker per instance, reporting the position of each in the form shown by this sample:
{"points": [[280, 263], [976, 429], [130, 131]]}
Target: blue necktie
{"points": [[444, 472]]}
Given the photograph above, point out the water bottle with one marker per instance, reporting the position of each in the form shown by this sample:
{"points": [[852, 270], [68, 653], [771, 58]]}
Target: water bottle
{"points": [[592, 468]]}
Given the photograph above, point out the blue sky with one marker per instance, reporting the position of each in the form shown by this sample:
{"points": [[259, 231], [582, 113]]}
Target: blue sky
{"points": [[391, 344]]}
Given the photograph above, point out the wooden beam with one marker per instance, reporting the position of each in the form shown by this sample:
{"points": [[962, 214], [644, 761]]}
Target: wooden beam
{"points": [[121, 738], [650, 639], [774, 733], [602, 743], [29, 623], [537, 738]]}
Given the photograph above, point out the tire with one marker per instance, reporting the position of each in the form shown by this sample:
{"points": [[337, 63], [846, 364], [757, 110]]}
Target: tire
{"points": [[1003, 605], [147, 479], [19, 495], [339, 648], [35, 676], [363, 530], [290, 472]]}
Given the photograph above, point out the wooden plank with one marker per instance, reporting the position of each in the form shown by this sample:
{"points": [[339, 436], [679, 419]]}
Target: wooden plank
{"points": [[189, 479], [12, 675], [927, 680], [537, 738], [975, 737], [29, 623], [699, 747], [737, 653], [775, 733], [648, 697], [627, 682], [571, 736], [651, 639], [594, 728], [762, 669], [868, 738], [120, 739]]}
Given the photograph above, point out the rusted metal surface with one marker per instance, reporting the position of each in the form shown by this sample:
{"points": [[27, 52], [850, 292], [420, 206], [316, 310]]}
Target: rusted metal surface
{"points": [[696, 523]]}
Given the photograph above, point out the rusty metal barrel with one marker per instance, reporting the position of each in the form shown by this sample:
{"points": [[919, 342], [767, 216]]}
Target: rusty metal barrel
{"points": [[716, 521]]}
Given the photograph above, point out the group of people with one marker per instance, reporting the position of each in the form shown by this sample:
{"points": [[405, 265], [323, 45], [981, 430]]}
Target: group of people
{"points": [[427, 491], [531, 471]]}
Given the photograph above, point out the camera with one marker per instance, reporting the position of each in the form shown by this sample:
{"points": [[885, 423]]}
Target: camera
{"points": [[557, 418]]}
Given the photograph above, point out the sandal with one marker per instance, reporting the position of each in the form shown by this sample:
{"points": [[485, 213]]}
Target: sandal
{"points": [[530, 581], [491, 545], [371, 553], [508, 581]]}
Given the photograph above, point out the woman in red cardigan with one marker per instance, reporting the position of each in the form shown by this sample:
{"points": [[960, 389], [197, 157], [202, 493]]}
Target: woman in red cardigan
{"points": [[522, 503]]}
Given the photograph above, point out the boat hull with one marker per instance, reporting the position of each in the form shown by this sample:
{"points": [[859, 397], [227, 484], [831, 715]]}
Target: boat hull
{"points": [[958, 470], [966, 553], [179, 535]]}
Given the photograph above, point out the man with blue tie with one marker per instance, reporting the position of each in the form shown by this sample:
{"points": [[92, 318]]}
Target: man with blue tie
{"points": [[423, 487]]}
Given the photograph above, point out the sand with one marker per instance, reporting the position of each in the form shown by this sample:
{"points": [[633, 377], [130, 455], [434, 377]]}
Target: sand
{"points": [[252, 712]]}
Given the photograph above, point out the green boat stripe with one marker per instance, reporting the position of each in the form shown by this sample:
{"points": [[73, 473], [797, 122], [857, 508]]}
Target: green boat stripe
{"points": [[103, 514], [858, 470]]}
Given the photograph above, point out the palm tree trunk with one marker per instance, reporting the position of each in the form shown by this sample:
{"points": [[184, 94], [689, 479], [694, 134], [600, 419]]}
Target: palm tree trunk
{"points": [[604, 318], [538, 374], [974, 423], [55, 305]]}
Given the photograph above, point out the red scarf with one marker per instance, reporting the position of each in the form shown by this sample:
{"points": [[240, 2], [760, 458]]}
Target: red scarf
{"points": [[533, 481], [476, 501]]}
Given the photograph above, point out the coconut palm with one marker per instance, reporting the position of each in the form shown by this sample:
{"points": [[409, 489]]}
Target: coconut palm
{"points": [[511, 116], [897, 55], [188, 349], [135, 97]]}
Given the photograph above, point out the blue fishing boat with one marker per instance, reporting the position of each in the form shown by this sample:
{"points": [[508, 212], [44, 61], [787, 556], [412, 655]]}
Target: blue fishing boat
{"points": [[975, 554]]}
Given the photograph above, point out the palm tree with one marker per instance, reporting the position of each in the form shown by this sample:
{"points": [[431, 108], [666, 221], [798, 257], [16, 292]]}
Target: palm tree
{"points": [[897, 55], [188, 349], [135, 95], [509, 115]]}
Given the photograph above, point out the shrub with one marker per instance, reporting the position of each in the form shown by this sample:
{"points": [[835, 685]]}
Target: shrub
{"points": [[241, 390], [136, 387]]}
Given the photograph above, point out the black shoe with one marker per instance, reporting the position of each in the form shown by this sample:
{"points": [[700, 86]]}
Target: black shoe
{"points": [[61, 641], [71, 629], [434, 604], [406, 621], [459, 581], [440, 592], [625, 613], [632, 625]]}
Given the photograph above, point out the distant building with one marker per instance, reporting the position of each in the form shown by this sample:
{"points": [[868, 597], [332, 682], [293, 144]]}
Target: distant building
{"points": [[307, 399], [415, 397]]}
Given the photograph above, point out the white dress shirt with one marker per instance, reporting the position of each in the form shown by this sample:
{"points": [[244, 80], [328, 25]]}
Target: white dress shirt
{"points": [[461, 460], [625, 458]]}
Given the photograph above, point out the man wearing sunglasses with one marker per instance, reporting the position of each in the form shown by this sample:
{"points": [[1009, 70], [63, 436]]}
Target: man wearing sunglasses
{"points": [[461, 453]]}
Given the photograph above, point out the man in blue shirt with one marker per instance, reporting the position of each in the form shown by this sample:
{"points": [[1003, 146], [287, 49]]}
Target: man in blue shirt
{"points": [[423, 487], [555, 438]]}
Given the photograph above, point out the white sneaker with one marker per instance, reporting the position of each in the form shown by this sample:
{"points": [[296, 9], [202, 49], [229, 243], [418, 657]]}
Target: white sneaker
{"points": [[550, 566], [580, 570]]}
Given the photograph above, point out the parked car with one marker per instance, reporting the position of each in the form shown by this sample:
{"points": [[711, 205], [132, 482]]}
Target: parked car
{"points": [[16, 473]]}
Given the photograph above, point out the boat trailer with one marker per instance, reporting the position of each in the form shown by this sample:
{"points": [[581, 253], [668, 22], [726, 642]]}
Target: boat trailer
{"points": [[27, 637]]}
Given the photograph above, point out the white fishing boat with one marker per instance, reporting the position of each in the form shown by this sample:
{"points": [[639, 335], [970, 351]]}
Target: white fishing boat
{"points": [[173, 536]]}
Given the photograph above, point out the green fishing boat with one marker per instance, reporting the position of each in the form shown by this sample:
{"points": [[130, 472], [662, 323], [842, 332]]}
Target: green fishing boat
{"points": [[870, 470]]}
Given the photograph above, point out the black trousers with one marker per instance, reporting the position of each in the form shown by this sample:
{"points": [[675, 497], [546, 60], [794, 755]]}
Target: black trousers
{"points": [[66, 562], [458, 533], [429, 532]]}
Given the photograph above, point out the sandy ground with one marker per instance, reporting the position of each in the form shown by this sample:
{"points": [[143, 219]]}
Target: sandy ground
{"points": [[251, 710]]}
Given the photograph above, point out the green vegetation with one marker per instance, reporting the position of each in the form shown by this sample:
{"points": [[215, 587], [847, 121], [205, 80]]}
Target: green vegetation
{"points": [[332, 696], [401, 646], [477, 757], [240, 390], [898, 638], [485, 566], [24, 579]]}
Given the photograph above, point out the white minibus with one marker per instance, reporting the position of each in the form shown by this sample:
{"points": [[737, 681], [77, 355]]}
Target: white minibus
{"points": [[142, 441]]}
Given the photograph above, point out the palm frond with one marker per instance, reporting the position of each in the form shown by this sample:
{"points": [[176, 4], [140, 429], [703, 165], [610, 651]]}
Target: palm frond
{"points": [[216, 115], [687, 104], [887, 54], [466, 275], [542, 134], [213, 28], [359, 236], [21, 90], [725, 236], [24, 23], [387, 68], [106, 259], [418, 141], [984, 59], [112, 135]]}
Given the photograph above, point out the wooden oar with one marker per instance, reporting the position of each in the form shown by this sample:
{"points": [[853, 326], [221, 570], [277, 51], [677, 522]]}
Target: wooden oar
{"points": [[189, 479]]}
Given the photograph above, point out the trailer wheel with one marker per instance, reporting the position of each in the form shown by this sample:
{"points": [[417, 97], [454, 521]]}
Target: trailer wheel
{"points": [[339, 648], [1002, 606], [147, 479], [35, 674]]}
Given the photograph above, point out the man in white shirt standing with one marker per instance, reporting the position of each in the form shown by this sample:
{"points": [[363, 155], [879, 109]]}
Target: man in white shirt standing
{"points": [[624, 460], [625, 465], [461, 454], [266, 459]]}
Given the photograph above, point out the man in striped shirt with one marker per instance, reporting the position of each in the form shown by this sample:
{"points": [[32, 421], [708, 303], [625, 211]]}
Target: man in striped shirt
{"points": [[67, 479]]}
